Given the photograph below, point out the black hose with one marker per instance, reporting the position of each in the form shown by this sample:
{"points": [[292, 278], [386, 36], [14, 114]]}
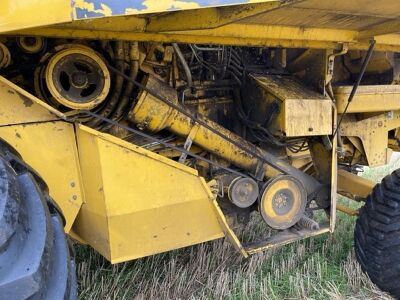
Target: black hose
{"points": [[259, 132], [134, 70], [186, 69], [110, 106]]}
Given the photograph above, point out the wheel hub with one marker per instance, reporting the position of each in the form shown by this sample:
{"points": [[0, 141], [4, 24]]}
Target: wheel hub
{"points": [[243, 192], [79, 80], [283, 202]]}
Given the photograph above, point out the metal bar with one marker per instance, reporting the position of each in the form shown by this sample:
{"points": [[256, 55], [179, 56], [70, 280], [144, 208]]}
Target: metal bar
{"points": [[354, 185], [347, 210], [234, 34]]}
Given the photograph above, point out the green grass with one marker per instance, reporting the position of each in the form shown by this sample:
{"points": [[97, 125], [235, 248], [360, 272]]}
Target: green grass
{"points": [[319, 268]]}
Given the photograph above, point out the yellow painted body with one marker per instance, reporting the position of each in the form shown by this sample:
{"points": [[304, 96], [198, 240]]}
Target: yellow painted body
{"points": [[47, 143], [354, 185], [124, 201], [374, 98], [303, 112], [128, 202], [301, 24], [372, 134], [139, 203]]}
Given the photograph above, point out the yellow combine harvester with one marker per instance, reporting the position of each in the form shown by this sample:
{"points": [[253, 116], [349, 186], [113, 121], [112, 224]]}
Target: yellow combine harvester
{"points": [[142, 126]]}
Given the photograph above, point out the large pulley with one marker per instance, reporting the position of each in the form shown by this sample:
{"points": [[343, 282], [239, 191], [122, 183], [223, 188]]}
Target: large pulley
{"points": [[75, 77], [283, 202]]}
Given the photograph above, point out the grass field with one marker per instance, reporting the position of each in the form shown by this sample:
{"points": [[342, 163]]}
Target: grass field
{"points": [[319, 268]]}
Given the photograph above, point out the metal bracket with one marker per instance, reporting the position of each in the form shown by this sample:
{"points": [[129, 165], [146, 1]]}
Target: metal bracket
{"points": [[330, 64], [260, 171], [189, 142]]}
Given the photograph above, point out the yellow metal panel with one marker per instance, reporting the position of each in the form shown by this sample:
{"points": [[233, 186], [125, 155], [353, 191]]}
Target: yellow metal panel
{"points": [[386, 8], [303, 23], [121, 24], [390, 26], [92, 224], [304, 117], [210, 17], [18, 106], [50, 149], [314, 17], [139, 203], [229, 233], [373, 133], [280, 32], [20, 14], [303, 112], [374, 98]]}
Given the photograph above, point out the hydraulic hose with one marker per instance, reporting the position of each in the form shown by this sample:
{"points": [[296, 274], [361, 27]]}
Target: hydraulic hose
{"points": [[134, 70], [188, 74], [119, 81]]}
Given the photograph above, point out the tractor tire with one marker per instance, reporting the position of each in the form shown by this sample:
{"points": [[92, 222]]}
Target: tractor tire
{"points": [[35, 259], [377, 235]]}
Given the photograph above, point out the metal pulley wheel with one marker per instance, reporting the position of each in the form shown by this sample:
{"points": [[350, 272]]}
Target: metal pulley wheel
{"points": [[283, 202], [77, 77], [31, 44], [243, 192], [5, 56]]}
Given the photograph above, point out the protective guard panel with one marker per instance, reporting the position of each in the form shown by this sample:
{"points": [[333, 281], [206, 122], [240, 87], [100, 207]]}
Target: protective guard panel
{"points": [[139, 203]]}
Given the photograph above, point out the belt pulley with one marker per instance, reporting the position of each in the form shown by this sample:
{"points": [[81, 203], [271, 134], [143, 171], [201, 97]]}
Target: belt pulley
{"points": [[73, 77]]}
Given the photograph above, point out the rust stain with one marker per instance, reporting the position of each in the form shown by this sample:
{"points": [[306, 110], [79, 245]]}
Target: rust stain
{"points": [[27, 102]]}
